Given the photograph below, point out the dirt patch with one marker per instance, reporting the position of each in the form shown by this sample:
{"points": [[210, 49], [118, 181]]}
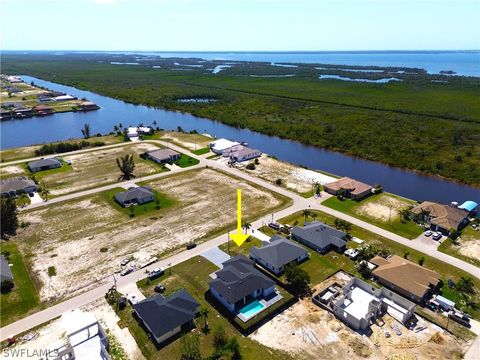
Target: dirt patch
{"points": [[11, 171], [293, 177], [469, 248], [70, 235], [96, 168], [308, 331], [189, 141], [383, 207]]}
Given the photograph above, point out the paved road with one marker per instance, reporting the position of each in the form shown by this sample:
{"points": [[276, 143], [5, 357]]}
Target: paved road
{"points": [[299, 203]]}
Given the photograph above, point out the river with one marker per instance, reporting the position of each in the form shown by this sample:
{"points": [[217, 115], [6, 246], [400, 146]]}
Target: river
{"points": [[36, 130]]}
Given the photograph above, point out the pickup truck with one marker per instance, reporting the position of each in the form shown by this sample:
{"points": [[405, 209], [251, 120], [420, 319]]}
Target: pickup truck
{"points": [[155, 273]]}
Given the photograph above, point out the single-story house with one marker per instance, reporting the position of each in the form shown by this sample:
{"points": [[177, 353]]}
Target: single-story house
{"points": [[278, 253], [320, 237], [239, 153], [18, 185], [6, 114], [441, 217], [87, 106], [44, 164], [405, 277], [24, 112], [5, 272], [354, 189], [163, 156], [359, 305], [137, 131], [43, 109], [135, 195], [470, 206], [220, 145], [14, 79], [167, 317], [238, 283], [64, 98]]}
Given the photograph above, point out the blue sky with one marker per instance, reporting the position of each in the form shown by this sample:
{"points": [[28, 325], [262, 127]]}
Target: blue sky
{"points": [[243, 25]]}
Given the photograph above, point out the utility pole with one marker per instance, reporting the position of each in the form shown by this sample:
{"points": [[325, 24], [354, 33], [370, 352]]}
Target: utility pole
{"points": [[228, 242], [115, 289]]}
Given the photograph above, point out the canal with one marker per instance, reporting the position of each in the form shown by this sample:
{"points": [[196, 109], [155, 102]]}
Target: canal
{"points": [[36, 130]]}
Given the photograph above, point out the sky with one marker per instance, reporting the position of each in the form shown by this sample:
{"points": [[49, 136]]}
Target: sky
{"points": [[239, 25]]}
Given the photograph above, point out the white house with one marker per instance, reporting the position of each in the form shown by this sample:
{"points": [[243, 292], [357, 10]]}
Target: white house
{"points": [[220, 145]]}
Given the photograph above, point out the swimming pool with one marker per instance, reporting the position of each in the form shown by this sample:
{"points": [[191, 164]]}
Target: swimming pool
{"points": [[252, 309]]}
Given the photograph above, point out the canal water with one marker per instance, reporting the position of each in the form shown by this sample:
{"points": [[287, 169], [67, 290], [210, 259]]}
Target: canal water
{"points": [[36, 130]]}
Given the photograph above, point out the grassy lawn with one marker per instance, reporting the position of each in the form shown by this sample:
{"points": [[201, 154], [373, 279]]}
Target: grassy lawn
{"points": [[22, 199], [44, 174], [186, 161], [336, 261], [138, 210], [467, 237], [201, 151], [192, 275], [23, 298], [383, 202]]}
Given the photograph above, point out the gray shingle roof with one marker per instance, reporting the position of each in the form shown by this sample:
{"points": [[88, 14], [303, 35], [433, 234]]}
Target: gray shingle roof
{"points": [[44, 162], [239, 278], [162, 154], [5, 272], [278, 252], [16, 184], [162, 315], [134, 194], [319, 234]]}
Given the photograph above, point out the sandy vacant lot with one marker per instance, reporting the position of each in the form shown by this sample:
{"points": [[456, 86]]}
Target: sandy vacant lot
{"points": [[70, 235], [11, 171], [189, 141], [382, 206], [307, 331], [293, 177], [96, 168]]}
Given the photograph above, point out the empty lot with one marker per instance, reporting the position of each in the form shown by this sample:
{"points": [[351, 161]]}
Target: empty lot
{"points": [[70, 235]]}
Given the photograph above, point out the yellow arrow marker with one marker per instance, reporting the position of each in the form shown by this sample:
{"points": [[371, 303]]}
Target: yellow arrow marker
{"points": [[239, 238]]}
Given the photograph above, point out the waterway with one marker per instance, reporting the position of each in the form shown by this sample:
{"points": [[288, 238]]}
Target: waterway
{"points": [[36, 130]]}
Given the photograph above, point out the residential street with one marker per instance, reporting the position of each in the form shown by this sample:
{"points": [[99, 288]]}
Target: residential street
{"points": [[299, 203]]}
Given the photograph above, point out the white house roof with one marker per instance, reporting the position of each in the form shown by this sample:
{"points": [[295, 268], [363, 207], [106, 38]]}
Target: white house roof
{"points": [[222, 144]]}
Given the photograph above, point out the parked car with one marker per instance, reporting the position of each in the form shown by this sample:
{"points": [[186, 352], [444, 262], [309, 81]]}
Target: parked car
{"points": [[428, 233], [125, 261], [155, 273], [126, 271], [159, 288], [437, 236], [274, 225], [191, 245], [31, 194], [450, 283]]}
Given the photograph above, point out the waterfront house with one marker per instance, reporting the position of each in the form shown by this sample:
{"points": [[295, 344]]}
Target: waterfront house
{"points": [[44, 164], [405, 277], [163, 156], [277, 254], [17, 185], [166, 317], [238, 284], [6, 114], [441, 217], [220, 145], [470, 206], [87, 106], [320, 237], [64, 98], [24, 112], [135, 195], [43, 110], [351, 188], [239, 153]]}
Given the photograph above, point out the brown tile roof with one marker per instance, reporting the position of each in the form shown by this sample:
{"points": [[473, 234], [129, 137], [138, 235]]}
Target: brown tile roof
{"points": [[354, 186], [405, 274], [444, 216]]}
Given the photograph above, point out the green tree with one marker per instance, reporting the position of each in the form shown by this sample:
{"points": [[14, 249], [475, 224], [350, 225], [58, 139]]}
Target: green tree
{"points": [[44, 191], [157, 201], [404, 215], [298, 279], [234, 347], [317, 188], [9, 216], [6, 286], [246, 226], [204, 316], [126, 164], [421, 261], [190, 347], [364, 270], [306, 213], [465, 286], [219, 337], [343, 225], [86, 131]]}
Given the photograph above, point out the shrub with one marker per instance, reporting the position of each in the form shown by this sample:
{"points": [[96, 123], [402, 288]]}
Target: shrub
{"points": [[6, 286], [257, 161], [251, 166], [421, 261], [103, 249], [278, 182], [52, 271]]}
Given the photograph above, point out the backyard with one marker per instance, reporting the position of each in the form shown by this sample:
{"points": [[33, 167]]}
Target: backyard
{"points": [[466, 247], [86, 239]]}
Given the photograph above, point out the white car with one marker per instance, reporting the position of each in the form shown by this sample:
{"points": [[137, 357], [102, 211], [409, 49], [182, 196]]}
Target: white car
{"points": [[428, 233], [126, 271], [437, 236]]}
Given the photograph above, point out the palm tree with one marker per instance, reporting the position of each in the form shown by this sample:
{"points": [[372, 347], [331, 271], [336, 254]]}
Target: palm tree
{"points": [[246, 226], [317, 188], [204, 316], [306, 213], [126, 166], [154, 123], [24, 198], [45, 191], [115, 128], [86, 131], [465, 286]]}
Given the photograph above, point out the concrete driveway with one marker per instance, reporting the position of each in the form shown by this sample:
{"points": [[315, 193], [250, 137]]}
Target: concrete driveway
{"points": [[216, 256], [36, 199], [428, 241]]}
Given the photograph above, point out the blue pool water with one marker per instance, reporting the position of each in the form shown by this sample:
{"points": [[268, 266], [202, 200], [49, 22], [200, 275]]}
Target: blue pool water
{"points": [[252, 308]]}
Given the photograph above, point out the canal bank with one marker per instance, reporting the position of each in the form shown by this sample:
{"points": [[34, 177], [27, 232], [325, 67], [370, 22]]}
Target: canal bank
{"points": [[406, 183]]}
